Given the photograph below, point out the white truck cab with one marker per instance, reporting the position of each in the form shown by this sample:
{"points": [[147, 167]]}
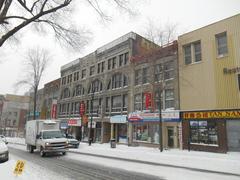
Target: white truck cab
{"points": [[45, 136]]}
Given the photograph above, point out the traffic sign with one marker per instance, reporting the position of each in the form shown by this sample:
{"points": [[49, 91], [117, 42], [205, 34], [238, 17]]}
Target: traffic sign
{"points": [[19, 167]]}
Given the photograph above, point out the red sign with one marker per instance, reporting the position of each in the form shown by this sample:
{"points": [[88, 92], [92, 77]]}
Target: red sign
{"points": [[54, 109], [148, 100], [82, 108], [72, 122]]}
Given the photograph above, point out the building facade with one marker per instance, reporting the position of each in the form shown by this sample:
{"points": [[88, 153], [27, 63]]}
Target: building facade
{"points": [[14, 115], [209, 79], [102, 81], [155, 87], [51, 93]]}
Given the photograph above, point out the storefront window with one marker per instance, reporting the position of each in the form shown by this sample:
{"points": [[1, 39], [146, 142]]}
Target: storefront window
{"points": [[203, 132], [146, 132]]}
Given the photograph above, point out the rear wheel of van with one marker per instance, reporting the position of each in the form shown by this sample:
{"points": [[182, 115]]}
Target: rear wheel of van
{"points": [[64, 153]]}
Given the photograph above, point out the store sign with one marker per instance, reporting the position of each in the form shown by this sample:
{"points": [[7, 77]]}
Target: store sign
{"points": [[148, 100], [82, 108], [74, 122], [231, 70], [167, 116], [118, 119], [54, 109], [63, 125], [212, 114]]}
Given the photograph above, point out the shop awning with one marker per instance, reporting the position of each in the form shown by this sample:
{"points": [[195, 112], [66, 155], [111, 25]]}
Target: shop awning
{"points": [[118, 119]]}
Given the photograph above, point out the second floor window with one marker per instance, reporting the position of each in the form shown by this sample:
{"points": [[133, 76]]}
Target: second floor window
{"points": [[221, 40], [84, 73], [92, 68], [192, 52]]}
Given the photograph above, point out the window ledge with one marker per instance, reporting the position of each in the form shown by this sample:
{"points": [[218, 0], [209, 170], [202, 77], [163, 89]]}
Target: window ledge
{"points": [[221, 56]]}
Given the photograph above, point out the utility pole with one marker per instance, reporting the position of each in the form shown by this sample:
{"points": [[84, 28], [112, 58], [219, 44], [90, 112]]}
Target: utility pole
{"points": [[160, 120], [90, 139]]}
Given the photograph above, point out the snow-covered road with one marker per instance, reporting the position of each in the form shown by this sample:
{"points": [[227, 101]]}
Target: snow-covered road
{"points": [[59, 167]]}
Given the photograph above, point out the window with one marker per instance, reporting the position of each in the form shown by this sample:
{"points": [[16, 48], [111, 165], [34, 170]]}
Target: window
{"points": [[109, 64], [169, 75], [103, 64], [126, 57], [121, 60], [145, 77], [117, 81], [63, 80], [192, 52], [221, 40], [169, 98], [137, 102], [146, 132], [116, 103], [187, 54], [203, 132], [125, 102], [92, 68], [78, 91], [197, 51], [158, 73], [66, 93], [69, 79], [99, 68], [137, 77], [238, 76], [84, 73], [113, 62], [76, 76], [96, 86], [107, 104]]}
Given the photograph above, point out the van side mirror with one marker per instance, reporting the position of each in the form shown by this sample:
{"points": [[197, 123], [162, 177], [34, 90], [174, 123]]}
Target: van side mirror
{"points": [[37, 136]]}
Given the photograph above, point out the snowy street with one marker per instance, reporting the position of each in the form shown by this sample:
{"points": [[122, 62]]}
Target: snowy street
{"points": [[60, 167], [83, 166]]}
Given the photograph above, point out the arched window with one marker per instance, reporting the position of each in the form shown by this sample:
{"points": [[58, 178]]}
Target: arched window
{"points": [[78, 91], [117, 81], [66, 93], [95, 86]]}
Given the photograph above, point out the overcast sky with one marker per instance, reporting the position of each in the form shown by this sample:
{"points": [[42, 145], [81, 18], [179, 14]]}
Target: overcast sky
{"points": [[188, 14]]}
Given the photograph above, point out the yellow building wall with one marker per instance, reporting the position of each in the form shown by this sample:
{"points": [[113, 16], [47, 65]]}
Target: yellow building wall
{"points": [[203, 85]]}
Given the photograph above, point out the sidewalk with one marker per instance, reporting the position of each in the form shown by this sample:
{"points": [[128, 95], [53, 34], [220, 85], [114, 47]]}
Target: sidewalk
{"points": [[204, 161]]}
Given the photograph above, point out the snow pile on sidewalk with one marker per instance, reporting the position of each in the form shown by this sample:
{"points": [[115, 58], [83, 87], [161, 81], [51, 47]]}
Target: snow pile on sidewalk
{"points": [[228, 163]]}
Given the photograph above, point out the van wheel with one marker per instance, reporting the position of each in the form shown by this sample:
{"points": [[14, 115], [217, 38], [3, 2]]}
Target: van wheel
{"points": [[42, 153], [64, 153], [30, 148]]}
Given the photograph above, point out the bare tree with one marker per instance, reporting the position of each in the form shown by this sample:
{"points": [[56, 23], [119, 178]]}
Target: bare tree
{"points": [[36, 63], [18, 14], [160, 34]]}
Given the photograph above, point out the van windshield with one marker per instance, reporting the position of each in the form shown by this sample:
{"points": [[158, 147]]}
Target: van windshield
{"points": [[52, 134]]}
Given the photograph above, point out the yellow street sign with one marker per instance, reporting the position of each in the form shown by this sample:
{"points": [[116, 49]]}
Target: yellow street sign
{"points": [[19, 167]]}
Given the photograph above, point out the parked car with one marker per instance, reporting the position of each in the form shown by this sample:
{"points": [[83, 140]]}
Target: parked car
{"points": [[3, 138], [72, 142], [3, 151]]}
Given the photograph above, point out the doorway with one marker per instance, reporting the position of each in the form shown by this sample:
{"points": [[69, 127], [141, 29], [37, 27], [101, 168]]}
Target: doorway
{"points": [[170, 133]]}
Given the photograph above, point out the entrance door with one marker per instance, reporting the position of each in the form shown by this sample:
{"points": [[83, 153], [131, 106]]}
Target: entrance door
{"points": [[233, 135], [170, 137]]}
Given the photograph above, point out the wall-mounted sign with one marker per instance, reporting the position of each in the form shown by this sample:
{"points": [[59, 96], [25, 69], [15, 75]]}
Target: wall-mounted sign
{"points": [[82, 108], [74, 122], [212, 114], [231, 70], [167, 116]]}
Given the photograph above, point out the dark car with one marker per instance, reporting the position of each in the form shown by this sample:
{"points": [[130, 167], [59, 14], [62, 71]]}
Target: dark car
{"points": [[72, 142]]}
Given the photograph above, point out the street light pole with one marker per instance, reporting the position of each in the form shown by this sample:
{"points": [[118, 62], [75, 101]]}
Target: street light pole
{"points": [[91, 120], [160, 121]]}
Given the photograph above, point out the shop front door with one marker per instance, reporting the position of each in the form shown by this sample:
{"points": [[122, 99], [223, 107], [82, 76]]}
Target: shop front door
{"points": [[170, 137], [233, 135]]}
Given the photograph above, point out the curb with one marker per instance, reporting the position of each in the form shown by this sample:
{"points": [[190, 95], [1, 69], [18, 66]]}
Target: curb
{"points": [[157, 164]]}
